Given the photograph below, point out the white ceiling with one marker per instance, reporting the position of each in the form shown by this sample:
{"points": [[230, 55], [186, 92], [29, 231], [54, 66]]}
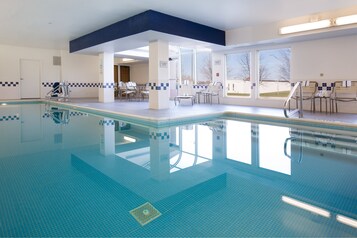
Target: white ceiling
{"points": [[53, 23]]}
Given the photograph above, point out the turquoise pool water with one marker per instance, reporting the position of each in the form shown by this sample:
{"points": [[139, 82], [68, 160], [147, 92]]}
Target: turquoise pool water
{"points": [[69, 173]]}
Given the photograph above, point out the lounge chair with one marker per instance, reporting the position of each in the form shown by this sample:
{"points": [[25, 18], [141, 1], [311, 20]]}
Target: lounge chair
{"points": [[344, 91]]}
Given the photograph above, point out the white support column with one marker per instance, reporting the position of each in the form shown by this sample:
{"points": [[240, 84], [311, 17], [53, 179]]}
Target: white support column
{"points": [[106, 77], [159, 75]]}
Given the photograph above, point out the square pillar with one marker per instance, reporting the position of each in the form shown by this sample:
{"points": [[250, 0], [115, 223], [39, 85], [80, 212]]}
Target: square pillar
{"points": [[106, 77], [159, 75]]}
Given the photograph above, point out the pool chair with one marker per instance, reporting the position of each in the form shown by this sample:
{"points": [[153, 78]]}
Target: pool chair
{"points": [[308, 93], [185, 92], [344, 91], [128, 90], [144, 92], [212, 90]]}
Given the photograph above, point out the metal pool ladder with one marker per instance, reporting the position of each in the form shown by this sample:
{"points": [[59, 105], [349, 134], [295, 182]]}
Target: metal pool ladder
{"points": [[287, 112]]}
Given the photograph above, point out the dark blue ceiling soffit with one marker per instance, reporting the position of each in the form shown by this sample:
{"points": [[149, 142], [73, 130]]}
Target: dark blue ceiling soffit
{"points": [[149, 20]]}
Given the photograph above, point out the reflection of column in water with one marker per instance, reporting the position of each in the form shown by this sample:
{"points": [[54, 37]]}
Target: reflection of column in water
{"points": [[107, 137], [160, 153], [255, 142], [219, 148]]}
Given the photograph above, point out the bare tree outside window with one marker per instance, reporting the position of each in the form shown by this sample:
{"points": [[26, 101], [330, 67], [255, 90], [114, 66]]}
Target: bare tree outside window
{"points": [[274, 72], [244, 62], [284, 67], [238, 74], [204, 67], [264, 73]]}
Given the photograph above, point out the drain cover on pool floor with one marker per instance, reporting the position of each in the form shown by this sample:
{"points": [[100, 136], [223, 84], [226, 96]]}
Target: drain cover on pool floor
{"points": [[145, 213]]}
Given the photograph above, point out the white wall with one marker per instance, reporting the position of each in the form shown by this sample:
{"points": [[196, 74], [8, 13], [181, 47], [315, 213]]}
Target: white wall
{"points": [[335, 58], [10, 67], [74, 69], [139, 73], [81, 69]]}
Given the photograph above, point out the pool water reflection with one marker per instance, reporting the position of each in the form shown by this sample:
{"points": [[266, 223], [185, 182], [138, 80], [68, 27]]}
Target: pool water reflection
{"points": [[68, 173]]}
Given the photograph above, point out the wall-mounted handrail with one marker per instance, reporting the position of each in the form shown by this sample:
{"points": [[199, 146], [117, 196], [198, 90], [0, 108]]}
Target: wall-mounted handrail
{"points": [[298, 110]]}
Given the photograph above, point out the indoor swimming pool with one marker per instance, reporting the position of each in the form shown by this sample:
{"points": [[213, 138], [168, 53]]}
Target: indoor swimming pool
{"points": [[71, 173]]}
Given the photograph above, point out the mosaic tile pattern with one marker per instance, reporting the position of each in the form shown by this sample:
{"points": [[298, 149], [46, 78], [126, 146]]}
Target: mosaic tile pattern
{"points": [[159, 86], [107, 85], [74, 85], [9, 84]]}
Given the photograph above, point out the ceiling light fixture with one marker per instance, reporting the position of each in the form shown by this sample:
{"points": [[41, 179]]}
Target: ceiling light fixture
{"points": [[127, 59], [305, 27], [315, 25], [345, 20]]}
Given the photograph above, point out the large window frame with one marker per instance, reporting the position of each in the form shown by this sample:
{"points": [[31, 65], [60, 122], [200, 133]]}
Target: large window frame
{"points": [[239, 74], [195, 66], [253, 88]]}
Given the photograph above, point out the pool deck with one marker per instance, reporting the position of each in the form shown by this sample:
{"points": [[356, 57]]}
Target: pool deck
{"points": [[186, 110]]}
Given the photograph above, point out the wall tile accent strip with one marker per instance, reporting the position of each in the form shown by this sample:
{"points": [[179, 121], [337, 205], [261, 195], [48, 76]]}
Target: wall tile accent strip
{"points": [[321, 86], [159, 86], [10, 118], [106, 122], [159, 135], [200, 86], [9, 84], [325, 86], [107, 85], [74, 85]]}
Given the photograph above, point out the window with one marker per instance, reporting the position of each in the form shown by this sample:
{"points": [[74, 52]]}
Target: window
{"points": [[238, 75], [203, 67], [187, 67], [196, 66], [274, 73]]}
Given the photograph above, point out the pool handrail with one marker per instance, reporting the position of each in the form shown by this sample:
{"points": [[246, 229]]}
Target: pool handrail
{"points": [[287, 102]]}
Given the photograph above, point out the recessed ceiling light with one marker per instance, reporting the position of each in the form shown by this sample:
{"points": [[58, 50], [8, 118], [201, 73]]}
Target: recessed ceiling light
{"points": [[127, 59]]}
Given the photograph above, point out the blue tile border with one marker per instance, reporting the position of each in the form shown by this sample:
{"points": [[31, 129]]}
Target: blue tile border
{"points": [[158, 86], [107, 85]]}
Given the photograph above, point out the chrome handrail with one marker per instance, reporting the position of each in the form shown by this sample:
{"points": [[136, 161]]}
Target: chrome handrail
{"points": [[287, 112]]}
